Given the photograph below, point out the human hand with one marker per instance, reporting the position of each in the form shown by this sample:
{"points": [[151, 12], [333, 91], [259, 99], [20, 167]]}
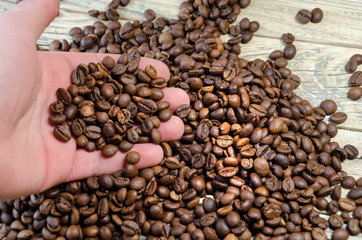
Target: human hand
{"points": [[31, 158]]}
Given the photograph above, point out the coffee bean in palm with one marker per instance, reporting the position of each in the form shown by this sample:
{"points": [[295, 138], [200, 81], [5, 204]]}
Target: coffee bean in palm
{"points": [[317, 15], [62, 132], [64, 96], [304, 16], [340, 234]]}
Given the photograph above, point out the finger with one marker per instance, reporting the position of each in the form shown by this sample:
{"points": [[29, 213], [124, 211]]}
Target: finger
{"points": [[74, 59], [176, 97], [172, 130], [94, 164], [31, 17]]}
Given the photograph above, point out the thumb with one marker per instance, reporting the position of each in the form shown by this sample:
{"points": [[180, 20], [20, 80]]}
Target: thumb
{"points": [[30, 17]]}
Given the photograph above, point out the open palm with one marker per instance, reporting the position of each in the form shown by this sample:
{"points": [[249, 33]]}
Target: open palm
{"points": [[31, 159]]}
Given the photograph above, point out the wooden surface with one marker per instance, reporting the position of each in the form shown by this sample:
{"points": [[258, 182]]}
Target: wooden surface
{"points": [[323, 49]]}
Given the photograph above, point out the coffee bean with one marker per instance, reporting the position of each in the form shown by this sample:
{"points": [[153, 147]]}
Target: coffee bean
{"points": [[355, 93], [62, 132], [356, 79], [317, 15], [304, 16], [338, 117], [133, 157], [340, 234], [109, 150], [64, 96], [288, 38], [57, 119], [93, 132], [328, 106], [289, 51], [351, 66], [347, 204], [165, 115], [150, 14]]}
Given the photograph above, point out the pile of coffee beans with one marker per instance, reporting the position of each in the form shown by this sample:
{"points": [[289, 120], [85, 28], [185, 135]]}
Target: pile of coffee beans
{"points": [[106, 100], [355, 80], [304, 15], [255, 160]]}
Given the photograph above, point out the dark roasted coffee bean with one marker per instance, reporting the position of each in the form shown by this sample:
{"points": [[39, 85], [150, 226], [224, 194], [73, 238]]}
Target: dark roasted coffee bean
{"points": [[109, 150], [289, 51], [304, 16], [355, 79], [62, 132], [133, 157], [340, 234], [355, 93], [150, 14], [328, 106], [338, 117], [57, 119], [165, 115], [64, 96], [288, 38], [317, 15], [351, 66]]}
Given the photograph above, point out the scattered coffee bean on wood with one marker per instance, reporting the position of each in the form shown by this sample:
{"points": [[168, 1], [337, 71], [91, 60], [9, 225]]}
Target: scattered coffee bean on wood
{"points": [[328, 106], [338, 117], [355, 93], [317, 15], [304, 16], [288, 38]]}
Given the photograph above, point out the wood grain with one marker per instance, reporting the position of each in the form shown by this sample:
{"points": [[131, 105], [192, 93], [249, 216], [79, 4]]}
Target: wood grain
{"points": [[323, 49]]}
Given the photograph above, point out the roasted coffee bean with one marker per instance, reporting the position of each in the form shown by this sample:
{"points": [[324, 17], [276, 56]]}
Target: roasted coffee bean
{"points": [[356, 79], [340, 234], [348, 182], [304, 16], [351, 66], [64, 96], [288, 38], [317, 15], [328, 106], [62, 132], [289, 51], [355, 93], [150, 14], [133, 157], [109, 150], [338, 117]]}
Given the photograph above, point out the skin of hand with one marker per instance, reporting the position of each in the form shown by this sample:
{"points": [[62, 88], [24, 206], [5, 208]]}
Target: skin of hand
{"points": [[31, 158]]}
